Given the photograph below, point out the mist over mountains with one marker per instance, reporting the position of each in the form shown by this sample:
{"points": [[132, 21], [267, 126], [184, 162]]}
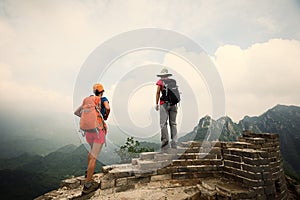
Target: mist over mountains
{"points": [[34, 133], [31, 165]]}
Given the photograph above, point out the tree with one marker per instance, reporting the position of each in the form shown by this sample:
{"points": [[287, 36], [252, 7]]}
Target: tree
{"points": [[131, 149]]}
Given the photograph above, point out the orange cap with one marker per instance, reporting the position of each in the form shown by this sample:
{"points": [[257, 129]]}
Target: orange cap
{"points": [[98, 87]]}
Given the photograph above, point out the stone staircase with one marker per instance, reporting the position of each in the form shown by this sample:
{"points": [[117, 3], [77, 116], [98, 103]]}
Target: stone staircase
{"points": [[248, 169]]}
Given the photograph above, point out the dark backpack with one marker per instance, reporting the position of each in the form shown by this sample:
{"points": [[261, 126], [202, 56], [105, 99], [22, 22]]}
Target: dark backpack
{"points": [[170, 92]]}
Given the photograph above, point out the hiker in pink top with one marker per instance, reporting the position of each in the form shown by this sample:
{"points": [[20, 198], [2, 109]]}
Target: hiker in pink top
{"points": [[95, 139], [168, 110]]}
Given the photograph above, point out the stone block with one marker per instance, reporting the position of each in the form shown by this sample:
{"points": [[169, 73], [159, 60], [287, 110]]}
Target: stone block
{"points": [[182, 162], [123, 188], [121, 182], [267, 175], [147, 165], [251, 168], [134, 161], [193, 150], [107, 183], [241, 139], [261, 197], [269, 189], [182, 175], [161, 177], [252, 183], [257, 161], [259, 190], [148, 155], [178, 151], [136, 180], [255, 140], [232, 164], [120, 174], [108, 168], [240, 145], [145, 173], [198, 168], [70, 183], [167, 170], [208, 162], [205, 174], [230, 157], [163, 157], [244, 174]]}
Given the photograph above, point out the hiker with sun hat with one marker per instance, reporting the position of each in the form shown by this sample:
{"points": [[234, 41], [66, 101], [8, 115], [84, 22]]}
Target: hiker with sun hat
{"points": [[167, 97]]}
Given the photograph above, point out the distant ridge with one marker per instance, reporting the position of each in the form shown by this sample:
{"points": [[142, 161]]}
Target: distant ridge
{"points": [[281, 119]]}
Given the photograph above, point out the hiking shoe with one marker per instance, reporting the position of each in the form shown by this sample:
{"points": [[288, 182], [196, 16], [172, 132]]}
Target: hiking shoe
{"points": [[165, 146], [90, 187], [173, 145]]}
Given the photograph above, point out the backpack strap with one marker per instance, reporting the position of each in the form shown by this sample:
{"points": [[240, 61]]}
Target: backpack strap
{"points": [[98, 109]]}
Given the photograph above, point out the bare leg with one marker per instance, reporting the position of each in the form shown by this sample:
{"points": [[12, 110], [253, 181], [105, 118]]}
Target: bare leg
{"points": [[92, 158]]}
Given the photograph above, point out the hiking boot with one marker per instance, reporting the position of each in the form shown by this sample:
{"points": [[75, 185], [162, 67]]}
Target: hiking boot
{"points": [[165, 146], [173, 145], [90, 187]]}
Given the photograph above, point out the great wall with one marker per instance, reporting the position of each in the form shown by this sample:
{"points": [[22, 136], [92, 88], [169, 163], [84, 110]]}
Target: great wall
{"points": [[250, 168]]}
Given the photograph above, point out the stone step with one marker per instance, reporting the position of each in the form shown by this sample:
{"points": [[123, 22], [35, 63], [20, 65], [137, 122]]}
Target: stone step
{"points": [[148, 155], [187, 162], [149, 164]]}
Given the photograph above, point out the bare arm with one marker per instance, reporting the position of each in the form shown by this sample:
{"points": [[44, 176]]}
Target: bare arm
{"points": [[77, 111], [157, 96]]}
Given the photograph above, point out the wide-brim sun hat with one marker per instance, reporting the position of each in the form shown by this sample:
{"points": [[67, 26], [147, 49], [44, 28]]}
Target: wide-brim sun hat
{"points": [[164, 73]]}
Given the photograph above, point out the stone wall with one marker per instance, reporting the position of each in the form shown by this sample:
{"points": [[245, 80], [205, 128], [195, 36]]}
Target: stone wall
{"points": [[248, 169], [256, 162]]}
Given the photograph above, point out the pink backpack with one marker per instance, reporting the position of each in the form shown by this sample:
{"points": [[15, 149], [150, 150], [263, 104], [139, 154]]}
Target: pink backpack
{"points": [[90, 114]]}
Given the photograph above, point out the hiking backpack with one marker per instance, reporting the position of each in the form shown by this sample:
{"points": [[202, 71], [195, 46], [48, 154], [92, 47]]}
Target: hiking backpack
{"points": [[90, 113], [170, 92]]}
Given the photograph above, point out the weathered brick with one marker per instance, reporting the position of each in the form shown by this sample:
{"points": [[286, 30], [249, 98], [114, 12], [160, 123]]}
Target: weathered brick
{"points": [[121, 181], [70, 183], [232, 157], [161, 177], [146, 165], [123, 188], [105, 184], [167, 170], [163, 156], [148, 155], [258, 161], [236, 165], [181, 162], [134, 161], [255, 140], [182, 175], [120, 174], [269, 189], [205, 174], [252, 183], [135, 180]]}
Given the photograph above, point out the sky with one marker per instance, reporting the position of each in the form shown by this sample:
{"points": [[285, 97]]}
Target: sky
{"points": [[253, 45]]}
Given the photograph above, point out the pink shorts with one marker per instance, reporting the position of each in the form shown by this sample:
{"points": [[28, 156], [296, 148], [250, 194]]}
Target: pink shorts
{"points": [[93, 137]]}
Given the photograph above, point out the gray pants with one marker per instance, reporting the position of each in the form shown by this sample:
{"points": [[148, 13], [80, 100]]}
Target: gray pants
{"points": [[168, 112]]}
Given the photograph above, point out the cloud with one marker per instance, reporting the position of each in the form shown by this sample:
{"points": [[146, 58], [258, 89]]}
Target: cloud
{"points": [[259, 77], [30, 98], [44, 43]]}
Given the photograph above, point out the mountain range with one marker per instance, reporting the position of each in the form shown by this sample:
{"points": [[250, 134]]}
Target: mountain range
{"points": [[281, 119], [27, 175]]}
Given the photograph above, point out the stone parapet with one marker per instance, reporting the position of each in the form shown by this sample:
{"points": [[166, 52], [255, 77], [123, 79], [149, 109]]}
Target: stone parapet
{"points": [[248, 169]]}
